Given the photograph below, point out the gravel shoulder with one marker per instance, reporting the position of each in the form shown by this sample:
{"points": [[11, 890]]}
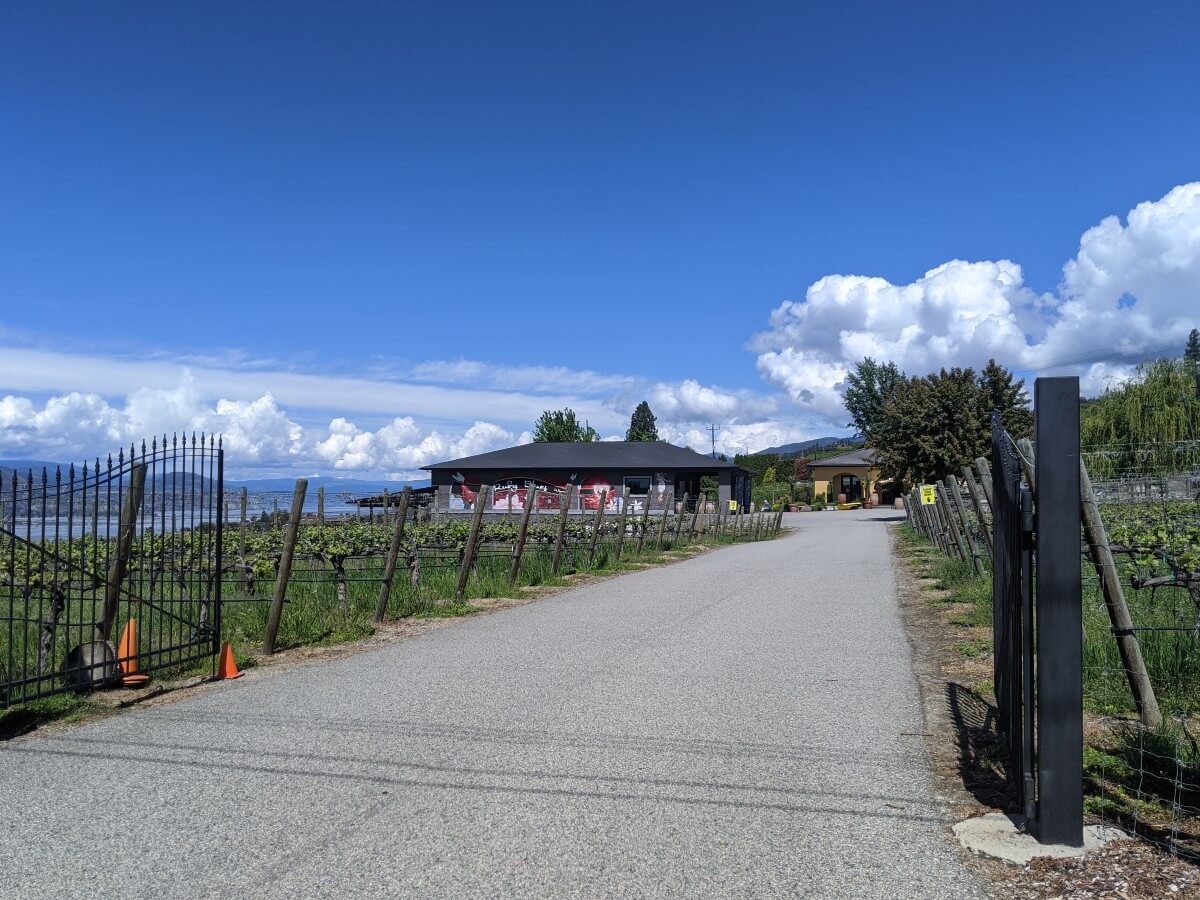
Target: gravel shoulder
{"points": [[743, 723], [964, 753]]}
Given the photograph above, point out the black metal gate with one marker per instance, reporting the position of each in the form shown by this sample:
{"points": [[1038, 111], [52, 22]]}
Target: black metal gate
{"points": [[112, 571], [1012, 613], [1037, 611]]}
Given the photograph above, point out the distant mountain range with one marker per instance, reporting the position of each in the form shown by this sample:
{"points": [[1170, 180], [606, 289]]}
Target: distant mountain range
{"points": [[332, 485], [821, 443]]}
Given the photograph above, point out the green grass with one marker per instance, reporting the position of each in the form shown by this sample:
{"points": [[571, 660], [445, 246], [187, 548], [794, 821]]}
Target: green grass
{"points": [[1133, 775]]}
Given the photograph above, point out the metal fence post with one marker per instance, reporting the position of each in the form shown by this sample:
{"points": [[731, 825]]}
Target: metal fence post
{"points": [[1059, 613]]}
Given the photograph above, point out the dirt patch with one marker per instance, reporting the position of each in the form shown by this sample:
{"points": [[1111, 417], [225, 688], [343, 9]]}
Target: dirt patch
{"points": [[955, 674]]}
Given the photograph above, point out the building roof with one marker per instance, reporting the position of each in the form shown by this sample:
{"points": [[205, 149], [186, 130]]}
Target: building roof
{"points": [[592, 455], [863, 456]]}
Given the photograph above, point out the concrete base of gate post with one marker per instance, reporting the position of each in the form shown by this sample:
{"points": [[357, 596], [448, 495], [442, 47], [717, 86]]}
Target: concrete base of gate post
{"points": [[1002, 837]]}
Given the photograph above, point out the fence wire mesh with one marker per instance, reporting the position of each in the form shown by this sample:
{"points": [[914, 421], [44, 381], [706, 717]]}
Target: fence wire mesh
{"points": [[1142, 759]]}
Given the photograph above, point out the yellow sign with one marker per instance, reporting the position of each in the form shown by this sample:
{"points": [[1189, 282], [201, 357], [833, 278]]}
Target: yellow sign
{"points": [[733, 506], [928, 495]]}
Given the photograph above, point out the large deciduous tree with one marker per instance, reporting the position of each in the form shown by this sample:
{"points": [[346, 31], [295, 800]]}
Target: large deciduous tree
{"points": [[561, 426], [1145, 425], [642, 424], [931, 426], [867, 388]]}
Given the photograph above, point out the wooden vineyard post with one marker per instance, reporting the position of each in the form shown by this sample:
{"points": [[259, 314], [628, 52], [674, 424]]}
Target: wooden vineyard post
{"points": [[778, 522], [389, 567], [468, 560], [530, 503], [624, 519], [695, 517], [645, 524], [939, 510], [977, 502], [953, 537], [984, 468], [679, 518], [243, 502], [116, 568], [1114, 599], [285, 566], [321, 504], [562, 528], [968, 541], [596, 526], [662, 525]]}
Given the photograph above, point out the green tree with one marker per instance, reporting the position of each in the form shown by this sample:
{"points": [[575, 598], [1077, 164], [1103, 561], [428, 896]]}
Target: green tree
{"points": [[867, 388], [1000, 391], [756, 464], [561, 426], [1144, 425], [931, 426], [1191, 356], [642, 424], [769, 476]]}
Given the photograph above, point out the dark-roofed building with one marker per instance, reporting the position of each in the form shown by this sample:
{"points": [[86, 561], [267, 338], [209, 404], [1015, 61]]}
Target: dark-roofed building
{"points": [[653, 471]]}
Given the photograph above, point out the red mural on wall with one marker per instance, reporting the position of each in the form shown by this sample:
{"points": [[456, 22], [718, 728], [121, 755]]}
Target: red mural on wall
{"points": [[509, 494]]}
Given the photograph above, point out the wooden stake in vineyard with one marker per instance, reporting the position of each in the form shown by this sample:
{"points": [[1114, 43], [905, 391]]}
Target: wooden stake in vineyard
{"points": [[621, 527], [389, 567], [597, 525], [645, 524], [285, 566], [468, 560], [530, 504], [562, 527]]}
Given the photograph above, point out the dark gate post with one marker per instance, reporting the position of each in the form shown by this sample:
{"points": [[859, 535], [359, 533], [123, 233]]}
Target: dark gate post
{"points": [[1059, 614]]}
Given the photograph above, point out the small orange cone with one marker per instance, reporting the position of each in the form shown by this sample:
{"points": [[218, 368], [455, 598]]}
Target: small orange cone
{"points": [[127, 657], [226, 667]]}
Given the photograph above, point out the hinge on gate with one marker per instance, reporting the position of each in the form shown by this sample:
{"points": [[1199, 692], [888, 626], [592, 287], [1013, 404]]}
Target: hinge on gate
{"points": [[1026, 510]]}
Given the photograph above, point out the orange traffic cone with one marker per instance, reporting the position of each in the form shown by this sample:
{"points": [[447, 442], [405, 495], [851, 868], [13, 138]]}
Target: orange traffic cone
{"points": [[226, 667], [127, 657]]}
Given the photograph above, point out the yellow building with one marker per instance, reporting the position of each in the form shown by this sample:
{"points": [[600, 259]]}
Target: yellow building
{"points": [[854, 474]]}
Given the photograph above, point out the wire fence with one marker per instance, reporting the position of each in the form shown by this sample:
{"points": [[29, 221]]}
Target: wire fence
{"points": [[1140, 572], [1143, 763], [334, 576]]}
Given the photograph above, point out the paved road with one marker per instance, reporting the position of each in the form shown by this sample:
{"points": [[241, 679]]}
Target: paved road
{"points": [[739, 724]]}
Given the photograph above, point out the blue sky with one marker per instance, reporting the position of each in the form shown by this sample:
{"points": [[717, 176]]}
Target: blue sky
{"points": [[348, 234]]}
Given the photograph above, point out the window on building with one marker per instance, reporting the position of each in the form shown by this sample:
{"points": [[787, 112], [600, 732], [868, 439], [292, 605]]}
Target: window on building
{"points": [[639, 485]]}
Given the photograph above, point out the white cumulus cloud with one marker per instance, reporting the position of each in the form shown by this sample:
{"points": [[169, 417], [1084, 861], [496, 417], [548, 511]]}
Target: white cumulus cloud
{"points": [[1132, 290]]}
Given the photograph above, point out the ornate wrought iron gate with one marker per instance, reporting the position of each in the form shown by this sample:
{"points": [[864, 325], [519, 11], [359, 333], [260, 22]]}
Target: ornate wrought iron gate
{"points": [[112, 571]]}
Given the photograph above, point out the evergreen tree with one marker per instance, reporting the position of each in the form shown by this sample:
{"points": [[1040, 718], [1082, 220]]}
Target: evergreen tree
{"points": [[999, 392], [642, 424], [562, 426], [867, 387], [1191, 356]]}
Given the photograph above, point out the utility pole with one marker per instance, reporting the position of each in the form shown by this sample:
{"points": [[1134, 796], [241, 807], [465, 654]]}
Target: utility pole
{"points": [[712, 430]]}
